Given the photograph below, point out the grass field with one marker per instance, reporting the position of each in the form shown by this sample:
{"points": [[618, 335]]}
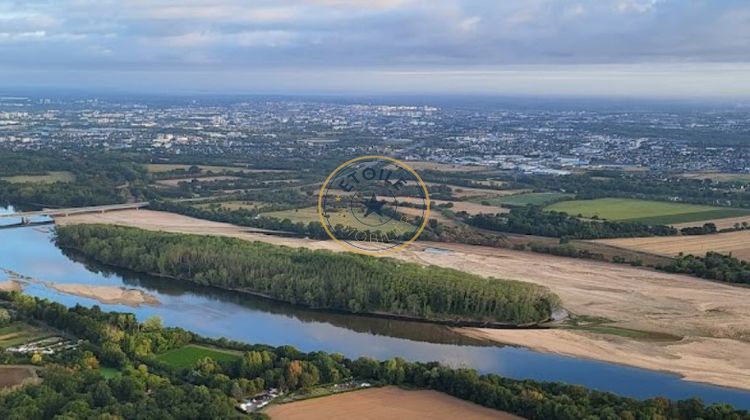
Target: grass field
{"points": [[345, 218], [537, 199], [385, 403], [49, 178], [110, 372], [651, 212], [187, 356], [19, 333]]}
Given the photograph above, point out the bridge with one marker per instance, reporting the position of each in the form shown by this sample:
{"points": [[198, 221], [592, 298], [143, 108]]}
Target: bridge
{"points": [[26, 216]]}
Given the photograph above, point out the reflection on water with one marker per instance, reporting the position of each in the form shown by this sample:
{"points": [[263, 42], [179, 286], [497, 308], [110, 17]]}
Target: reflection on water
{"points": [[378, 326], [218, 313]]}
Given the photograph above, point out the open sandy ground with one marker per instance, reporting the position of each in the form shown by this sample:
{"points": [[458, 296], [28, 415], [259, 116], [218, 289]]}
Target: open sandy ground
{"points": [[713, 318], [104, 294], [10, 286], [737, 243], [701, 359], [388, 403], [112, 295]]}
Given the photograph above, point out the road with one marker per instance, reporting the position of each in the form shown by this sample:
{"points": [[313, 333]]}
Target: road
{"points": [[77, 210]]}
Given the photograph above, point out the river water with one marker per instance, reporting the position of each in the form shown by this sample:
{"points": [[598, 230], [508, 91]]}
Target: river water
{"points": [[216, 313]]}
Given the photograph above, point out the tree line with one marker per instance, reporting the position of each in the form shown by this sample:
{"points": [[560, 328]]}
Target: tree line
{"points": [[713, 265], [146, 388], [317, 279], [534, 220]]}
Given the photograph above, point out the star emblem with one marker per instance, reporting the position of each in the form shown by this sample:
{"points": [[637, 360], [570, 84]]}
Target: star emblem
{"points": [[373, 206]]}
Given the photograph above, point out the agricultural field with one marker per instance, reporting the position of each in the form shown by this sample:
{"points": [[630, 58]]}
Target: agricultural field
{"points": [[736, 243], [467, 206], [651, 212], [723, 223], [188, 356], [49, 178], [233, 205], [470, 192], [524, 199], [19, 333], [166, 167], [176, 182], [15, 375], [385, 403], [445, 167], [718, 176], [345, 218]]}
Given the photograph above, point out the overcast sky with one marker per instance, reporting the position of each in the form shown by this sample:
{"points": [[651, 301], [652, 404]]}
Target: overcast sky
{"points": [[505, 47]]}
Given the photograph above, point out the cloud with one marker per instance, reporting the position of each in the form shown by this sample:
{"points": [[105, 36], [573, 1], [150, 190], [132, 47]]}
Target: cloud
{"points": [[198, 35]]}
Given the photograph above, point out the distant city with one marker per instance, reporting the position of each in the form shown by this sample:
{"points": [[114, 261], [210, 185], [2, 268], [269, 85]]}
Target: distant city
{"points": [[542, 140]]}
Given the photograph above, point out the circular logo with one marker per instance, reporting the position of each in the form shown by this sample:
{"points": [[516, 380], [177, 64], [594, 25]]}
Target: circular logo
{"points": [[374, 204]]}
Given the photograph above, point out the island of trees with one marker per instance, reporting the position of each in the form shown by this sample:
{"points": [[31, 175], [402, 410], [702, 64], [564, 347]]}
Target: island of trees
{"points": [[318, 279], [143, 386]]}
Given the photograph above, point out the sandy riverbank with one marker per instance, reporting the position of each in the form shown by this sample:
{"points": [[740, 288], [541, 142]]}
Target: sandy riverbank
{"points": [[714, 317], [711, 360], [112, 295], [10, 286]]}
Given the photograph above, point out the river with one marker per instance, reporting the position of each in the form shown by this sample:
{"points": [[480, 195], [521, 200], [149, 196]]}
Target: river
{"points": [[216, 313]]}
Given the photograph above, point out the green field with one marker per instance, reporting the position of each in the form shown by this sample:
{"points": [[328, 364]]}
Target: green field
{"points": [[19, 333], [537, 199], [345, 218], [109, 372], [650, 212], [49, 178], [188, 356]]}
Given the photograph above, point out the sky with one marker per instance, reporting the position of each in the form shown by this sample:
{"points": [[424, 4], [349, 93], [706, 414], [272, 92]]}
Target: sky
{"points": [[650, 48]]}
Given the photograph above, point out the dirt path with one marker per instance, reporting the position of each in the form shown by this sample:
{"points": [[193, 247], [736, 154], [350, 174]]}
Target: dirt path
{"points": [[714, 318]]}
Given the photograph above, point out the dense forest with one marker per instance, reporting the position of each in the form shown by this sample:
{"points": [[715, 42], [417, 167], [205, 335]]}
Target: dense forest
{"points": [[146, 388], [318, 279], [534, 220], [98, 179], [713, 266]]}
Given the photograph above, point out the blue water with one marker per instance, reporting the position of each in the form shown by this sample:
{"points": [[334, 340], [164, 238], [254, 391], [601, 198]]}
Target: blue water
{"points": [[217, 313]]}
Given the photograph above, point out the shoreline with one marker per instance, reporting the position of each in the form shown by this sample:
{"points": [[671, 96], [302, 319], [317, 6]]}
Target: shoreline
{"points": [[108, 295], [452, 323], [711, 317], [678, 357]]}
